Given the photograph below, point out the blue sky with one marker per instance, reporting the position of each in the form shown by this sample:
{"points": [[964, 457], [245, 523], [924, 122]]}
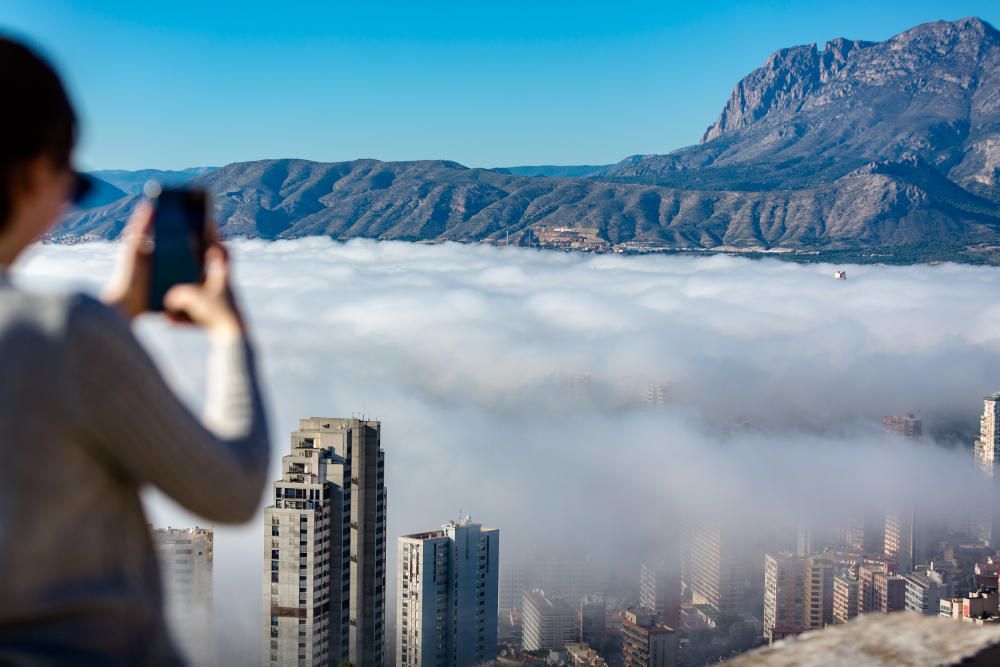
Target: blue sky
{"points": [[179, 84]]}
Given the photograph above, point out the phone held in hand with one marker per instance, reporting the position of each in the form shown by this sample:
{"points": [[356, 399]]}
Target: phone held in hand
{"points": [[180, 239]]}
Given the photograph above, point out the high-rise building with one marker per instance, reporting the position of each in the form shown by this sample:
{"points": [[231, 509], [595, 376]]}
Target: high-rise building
{"points": [[890, 592], [447, 596], [593, 619], [906, 425], [660, 590], [324, 572], [925, 590], [186, 558], [845, 598], [714, 573], [546, 623], [646, 643], [986, 520], [818, 601], [658, 394], [899, 540], [868, 599], [987, 445], [784, 595]]}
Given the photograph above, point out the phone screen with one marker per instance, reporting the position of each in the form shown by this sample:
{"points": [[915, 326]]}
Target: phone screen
{"points": [[178, 241]]}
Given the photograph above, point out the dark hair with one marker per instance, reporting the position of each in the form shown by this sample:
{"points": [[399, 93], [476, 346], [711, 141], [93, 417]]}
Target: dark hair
{"points": [[36, 118]]}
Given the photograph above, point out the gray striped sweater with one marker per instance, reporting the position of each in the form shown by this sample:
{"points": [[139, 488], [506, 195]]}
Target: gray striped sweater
{"points": [[86, 421]]}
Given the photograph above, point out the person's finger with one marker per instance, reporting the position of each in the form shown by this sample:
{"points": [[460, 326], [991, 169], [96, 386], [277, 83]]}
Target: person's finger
{"points": [[216, 268], [180, 298], [137, 230], [212, 232]]}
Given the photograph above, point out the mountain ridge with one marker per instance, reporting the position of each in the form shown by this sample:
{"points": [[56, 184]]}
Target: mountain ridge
{"points": [[859, 144]]}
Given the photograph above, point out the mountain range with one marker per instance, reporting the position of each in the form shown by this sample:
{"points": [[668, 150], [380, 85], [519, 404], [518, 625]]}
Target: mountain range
{"points": [[858, 146]]}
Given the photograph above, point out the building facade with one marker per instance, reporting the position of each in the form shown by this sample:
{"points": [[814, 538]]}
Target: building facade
{"points": [[987, 445], [186, 558], [646, 643], [447, 596], [660, 590], [714, 574], [925, 590], [906, 425], [324, 544], [899, 540], [845, 598], [818, 598], [593, 619], [784, 595], [546, 623]]}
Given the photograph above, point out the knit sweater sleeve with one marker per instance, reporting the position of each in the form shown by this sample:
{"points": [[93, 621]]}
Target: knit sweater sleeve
{"points": [[214, 467]]}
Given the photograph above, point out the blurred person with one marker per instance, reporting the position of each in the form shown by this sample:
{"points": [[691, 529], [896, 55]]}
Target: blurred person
{"points": [[86, 420]]}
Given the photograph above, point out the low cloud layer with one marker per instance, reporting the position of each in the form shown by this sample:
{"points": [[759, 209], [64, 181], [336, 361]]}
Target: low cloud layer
{"points": [[512, 384]]}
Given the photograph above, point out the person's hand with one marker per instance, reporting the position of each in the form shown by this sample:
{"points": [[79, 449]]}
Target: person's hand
{"points": [[210, 304], [128, 290]]}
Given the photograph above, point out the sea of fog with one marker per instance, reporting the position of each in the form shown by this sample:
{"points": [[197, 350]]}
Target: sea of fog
{"points": [[514, 385]]}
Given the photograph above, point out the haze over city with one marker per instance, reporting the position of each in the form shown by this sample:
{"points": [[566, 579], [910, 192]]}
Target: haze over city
{"points": [[778, 377]]}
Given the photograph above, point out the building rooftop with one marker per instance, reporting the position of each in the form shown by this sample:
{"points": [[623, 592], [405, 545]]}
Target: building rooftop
{"points": [[429, 535]]}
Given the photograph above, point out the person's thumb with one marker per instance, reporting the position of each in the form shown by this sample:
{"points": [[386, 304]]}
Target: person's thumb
{"points": [[181, 298]]}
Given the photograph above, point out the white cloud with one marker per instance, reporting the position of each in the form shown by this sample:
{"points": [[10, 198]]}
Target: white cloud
{"points": [[468, 353]]}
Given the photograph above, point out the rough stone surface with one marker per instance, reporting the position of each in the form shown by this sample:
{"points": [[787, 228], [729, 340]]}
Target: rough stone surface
{"points": [[889, 640]]}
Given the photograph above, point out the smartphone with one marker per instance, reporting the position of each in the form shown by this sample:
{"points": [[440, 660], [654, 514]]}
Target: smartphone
{"points": [[180, 239]]}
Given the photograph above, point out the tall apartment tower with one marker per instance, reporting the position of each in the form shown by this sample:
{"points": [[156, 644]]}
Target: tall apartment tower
{"points": [[186, 559], [905, 425], [900, 542], [324, 545], [845, 598], [986, 520], [447, 596], [547, 624], [818, 592], [714, 572], [987, 445], [660, 590], [784, 595]]}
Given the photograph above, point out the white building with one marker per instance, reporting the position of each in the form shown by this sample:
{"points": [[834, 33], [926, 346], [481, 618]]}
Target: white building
{"points": [[987, 445], [925, 590], [186, 561], [546, 623], [447, 596], [324, 545], [987, 449]]}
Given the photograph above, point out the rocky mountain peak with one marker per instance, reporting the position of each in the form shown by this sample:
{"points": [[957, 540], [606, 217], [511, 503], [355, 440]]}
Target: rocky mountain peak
{"points": [[795, 75]]}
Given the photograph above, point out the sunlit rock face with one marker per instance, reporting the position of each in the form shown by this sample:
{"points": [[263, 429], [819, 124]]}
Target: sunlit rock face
{"points": [[888, 640]]}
